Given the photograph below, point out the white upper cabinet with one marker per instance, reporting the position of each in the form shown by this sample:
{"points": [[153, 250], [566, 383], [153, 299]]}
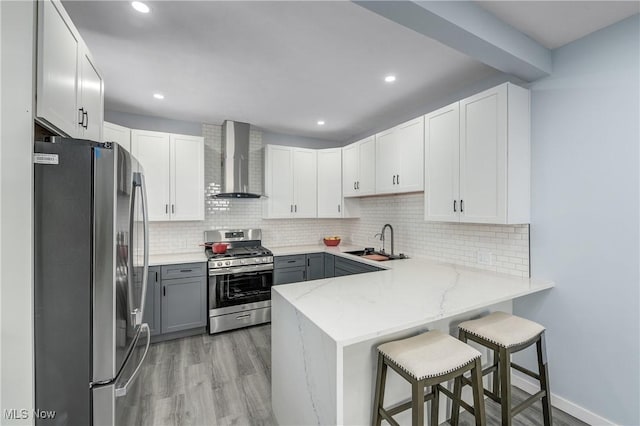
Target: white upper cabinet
{"points": [[174, 174], [91, 98], [330, 182], [70, 89], [290, 182], [442, 164], [187, 177], [400, 158], [114, 133], [359, 168], [492, 169]]}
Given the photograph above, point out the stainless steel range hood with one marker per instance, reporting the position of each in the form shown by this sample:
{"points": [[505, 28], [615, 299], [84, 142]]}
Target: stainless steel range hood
{"points": [[235, 162]]}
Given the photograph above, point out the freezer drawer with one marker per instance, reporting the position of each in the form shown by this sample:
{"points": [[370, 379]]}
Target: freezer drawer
{"points": [[239, 319]]}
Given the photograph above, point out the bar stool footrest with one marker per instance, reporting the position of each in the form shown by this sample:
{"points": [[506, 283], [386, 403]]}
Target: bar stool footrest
{"points": [[527, 402]]}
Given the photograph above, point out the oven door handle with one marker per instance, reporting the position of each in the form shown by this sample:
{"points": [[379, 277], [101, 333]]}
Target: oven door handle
{"points": [[245, 270]]}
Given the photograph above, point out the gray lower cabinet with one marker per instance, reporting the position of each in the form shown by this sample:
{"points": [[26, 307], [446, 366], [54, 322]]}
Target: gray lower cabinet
{"points": [[350, 267], [315, 266], [153, 301], [184, 304], [296, 268], [329, 265]]}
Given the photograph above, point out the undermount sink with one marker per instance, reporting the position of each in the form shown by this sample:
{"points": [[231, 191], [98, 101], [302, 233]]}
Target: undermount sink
{"points": [[372, 254]]}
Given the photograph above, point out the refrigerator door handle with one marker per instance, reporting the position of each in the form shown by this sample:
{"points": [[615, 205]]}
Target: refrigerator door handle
{"points": [[122, 390], [138, 313]]}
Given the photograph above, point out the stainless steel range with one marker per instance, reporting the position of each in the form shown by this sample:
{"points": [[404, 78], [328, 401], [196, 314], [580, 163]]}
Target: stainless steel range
{"points": [[240, 280]]}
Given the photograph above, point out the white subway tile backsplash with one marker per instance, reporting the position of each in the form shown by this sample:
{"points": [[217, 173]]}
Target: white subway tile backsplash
{"points": [[446, 242]]}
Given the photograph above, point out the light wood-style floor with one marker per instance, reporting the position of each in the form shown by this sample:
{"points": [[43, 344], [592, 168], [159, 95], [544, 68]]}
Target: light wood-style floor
{"points": [[225, 379]]}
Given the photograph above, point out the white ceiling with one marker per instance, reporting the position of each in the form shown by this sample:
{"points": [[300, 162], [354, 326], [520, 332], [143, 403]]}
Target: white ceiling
{"points": [[282, 66], [556, 23], [279, 65]]}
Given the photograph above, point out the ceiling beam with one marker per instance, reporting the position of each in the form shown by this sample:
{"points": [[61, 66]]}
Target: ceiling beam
{"points": [[468, 28]]}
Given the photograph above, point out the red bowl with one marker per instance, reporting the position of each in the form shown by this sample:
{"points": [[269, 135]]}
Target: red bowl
{"points": [[331, 243]]}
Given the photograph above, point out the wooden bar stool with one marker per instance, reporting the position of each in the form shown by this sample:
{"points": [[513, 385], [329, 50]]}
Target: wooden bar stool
{"points": [[506, 334], [427, 359]]}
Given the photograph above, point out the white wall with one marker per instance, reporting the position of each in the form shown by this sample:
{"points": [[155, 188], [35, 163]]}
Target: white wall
{"points": [[585, 220], [17, 30]]}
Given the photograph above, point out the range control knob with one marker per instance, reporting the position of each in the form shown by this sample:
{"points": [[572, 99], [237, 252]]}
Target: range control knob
{"points": [[219, 264], [227, 263]]}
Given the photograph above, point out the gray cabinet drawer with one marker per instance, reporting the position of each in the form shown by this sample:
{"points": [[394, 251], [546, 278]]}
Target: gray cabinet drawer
{"points": [[290, 261], [184, 270]]}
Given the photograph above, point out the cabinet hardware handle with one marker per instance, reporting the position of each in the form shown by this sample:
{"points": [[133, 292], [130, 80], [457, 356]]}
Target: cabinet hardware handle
{"points": [[85, 114], [291, 208], [156, 277], [354, 185], [173, 208], [166, 208], [398, 179], [295, 208], [454, 205], [461, 206], [81, 116], [186, 270], [358, 185], [338, 208], [394, 179], [308, 262], [164, 290], [239, 317], [291, 261]]}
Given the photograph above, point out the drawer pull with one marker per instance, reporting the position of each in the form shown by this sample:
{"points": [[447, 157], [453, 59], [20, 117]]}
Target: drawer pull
{"points": [[186, 270], [239, 317], [291, 261]]}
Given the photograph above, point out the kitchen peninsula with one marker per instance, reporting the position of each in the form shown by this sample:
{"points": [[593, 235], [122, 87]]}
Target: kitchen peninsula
{"points": [[325, 332]]}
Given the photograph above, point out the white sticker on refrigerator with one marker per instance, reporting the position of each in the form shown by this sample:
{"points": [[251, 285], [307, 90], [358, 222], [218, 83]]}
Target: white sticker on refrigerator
{"points": [[40, 158]]}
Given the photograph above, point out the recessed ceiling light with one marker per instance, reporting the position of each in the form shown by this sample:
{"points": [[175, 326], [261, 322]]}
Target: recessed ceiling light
{"points": [[140, 7], [158, 95], [320, 122], [390, 78]]}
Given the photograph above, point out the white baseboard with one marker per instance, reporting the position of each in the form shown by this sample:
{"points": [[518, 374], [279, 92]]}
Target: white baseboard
{"points": [[563, 404]]}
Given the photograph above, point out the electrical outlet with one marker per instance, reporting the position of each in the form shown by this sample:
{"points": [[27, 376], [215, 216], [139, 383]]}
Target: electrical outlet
{"points": [[485, 257]]}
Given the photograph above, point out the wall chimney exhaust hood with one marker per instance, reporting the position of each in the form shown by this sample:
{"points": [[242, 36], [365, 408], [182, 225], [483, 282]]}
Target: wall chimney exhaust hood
{"points": [[235, 162]]}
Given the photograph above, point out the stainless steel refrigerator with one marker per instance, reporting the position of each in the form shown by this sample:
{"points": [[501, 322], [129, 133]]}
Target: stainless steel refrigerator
{"points": [[91, 268]]}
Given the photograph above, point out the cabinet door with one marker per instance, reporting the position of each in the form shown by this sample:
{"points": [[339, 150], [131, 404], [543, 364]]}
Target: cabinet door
{"points": [[91, 98], [279, 181], [483, 155], [442, 140], [410, 171], [152, 149], [350, 165], [153, 301], [57, 82], [329, 265], [118, 134], [367, 167], [183, 304], [330, 183], [315, 266], [289, 275], [187, 177], [305, 183], [387, 161]]}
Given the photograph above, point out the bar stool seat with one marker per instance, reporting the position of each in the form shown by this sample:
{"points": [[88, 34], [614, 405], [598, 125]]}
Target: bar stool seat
{"points": [[503, 329], [427, 360], [429, 354]]}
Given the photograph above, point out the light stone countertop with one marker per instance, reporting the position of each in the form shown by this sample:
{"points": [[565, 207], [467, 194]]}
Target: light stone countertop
{"points": [[411, 292], [176, 258]]}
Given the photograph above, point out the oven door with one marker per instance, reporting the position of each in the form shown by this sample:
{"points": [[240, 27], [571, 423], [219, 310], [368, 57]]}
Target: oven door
{"points": [[240, 286]]}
